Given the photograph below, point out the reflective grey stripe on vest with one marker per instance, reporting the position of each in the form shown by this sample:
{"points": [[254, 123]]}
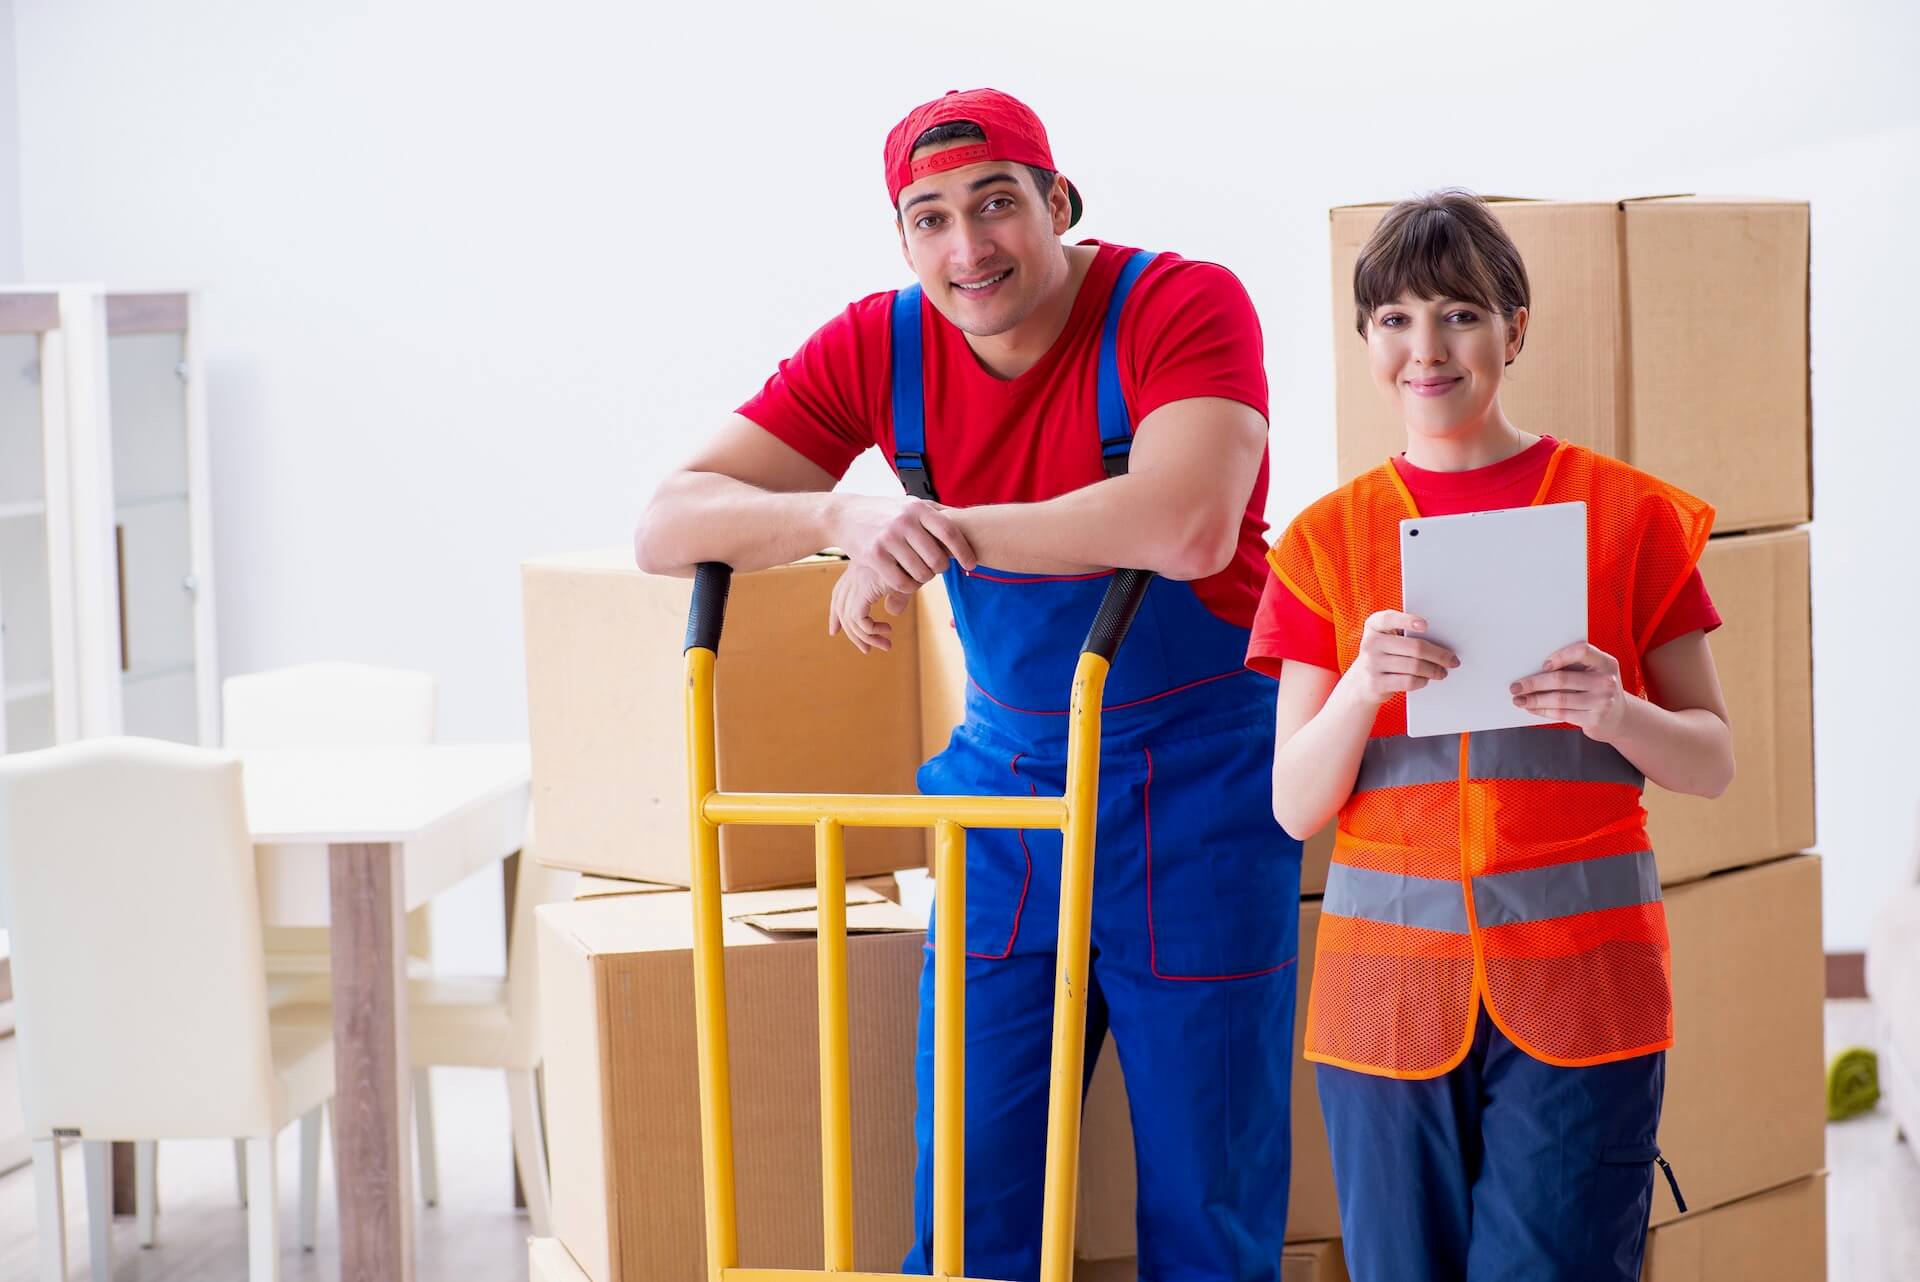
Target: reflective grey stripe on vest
{"points": [[1431, 903], [1561, 890], [1499, 899], [1524, 752]]}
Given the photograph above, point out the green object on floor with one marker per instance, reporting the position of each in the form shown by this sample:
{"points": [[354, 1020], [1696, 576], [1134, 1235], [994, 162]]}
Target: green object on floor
{"points": [[1853, 1083]]}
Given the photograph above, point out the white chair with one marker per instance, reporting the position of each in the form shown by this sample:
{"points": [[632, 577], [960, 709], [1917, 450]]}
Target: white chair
{"points": [[127, 878], [335, 705], [458, 1022]]}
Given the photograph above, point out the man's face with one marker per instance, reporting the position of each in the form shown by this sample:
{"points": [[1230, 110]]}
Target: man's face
{"points": [[984, 243]]}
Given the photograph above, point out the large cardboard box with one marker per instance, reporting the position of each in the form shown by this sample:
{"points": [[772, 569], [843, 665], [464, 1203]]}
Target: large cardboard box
{"points": [[1777, 1236], [1670, 332], [1743, 1107], [1105, 1228], [796, 711], [623, 1119], [1764, 653]]}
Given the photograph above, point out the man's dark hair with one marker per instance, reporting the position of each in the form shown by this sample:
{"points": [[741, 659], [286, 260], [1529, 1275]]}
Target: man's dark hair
{"points": [[1446, 244], [959, 130]]}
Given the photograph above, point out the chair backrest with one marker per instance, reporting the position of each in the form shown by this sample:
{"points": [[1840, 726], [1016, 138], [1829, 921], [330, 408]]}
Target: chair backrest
{"points": [[127, 880], [328, 705], [536, 884]]}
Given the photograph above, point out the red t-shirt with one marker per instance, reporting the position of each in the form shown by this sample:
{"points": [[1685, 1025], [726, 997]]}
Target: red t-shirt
{"points": [[1188, 330], [1285, 628]]}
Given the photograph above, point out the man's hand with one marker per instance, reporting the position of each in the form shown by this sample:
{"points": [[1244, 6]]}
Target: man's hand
{"points": [[851, 610], [903, 543]]}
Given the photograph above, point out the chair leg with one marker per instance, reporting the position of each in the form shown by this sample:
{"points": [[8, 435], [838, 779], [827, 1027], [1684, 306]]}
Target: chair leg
{"points": [[50, 1196], [263, 1211], [240, 1168], [310, 1179], [529, 1145], [423, 1126], [145, 1187], [98, 1158]]}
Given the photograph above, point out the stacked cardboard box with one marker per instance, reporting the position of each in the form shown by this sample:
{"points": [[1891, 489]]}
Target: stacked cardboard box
{"points": [[623, 1122], [796, 711]]}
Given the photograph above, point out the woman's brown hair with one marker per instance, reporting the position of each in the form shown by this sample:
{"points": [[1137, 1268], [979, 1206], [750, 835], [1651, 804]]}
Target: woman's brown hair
{"points": [[1446, 244]]}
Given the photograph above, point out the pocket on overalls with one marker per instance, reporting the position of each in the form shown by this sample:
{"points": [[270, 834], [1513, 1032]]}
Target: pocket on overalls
{"points": [[999, 863], [1222, 878], [1642, 1155]]}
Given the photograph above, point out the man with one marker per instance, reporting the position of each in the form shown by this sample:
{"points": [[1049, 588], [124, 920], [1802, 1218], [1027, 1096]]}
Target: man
{"points": [[1055, 410]]}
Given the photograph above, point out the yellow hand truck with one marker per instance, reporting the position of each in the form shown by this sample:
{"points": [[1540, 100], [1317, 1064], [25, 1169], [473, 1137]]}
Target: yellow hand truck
{"points": [[949, 817]]}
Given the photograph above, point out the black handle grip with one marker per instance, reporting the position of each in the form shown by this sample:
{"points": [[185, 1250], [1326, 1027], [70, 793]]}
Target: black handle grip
{"points": [[1125, 591], [709, 609]]}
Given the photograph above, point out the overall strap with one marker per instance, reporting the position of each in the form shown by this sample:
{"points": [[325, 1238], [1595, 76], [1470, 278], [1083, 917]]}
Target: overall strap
{"points": [[909, 397], [1116, 422]]}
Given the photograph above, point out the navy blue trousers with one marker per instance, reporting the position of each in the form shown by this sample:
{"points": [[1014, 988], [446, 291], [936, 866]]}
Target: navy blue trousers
{"points": [[1503, 1170]]}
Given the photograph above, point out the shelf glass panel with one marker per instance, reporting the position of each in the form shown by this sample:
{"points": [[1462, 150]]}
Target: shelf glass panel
{"points": [[23, 471]]}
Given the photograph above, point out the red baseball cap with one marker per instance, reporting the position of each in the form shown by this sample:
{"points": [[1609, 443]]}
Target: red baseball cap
{"points": [[1013, 133]]}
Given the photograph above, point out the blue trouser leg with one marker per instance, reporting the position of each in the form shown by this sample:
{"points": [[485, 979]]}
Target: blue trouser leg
{"points": [[1195, 928], [1504, 1169]]}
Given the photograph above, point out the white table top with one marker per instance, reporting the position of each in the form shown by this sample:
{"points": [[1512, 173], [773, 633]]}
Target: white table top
{"points": [[373, 795]]}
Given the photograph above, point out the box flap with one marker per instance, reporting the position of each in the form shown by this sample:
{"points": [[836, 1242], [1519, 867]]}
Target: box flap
{"points": [[879, 918], [590, 887]]}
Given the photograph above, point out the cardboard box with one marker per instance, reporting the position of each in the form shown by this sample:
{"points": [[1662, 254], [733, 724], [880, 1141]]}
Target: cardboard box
{"points": [[796, 711], [623, 1120], [548, 1261], [1778, 1236], [1745, 1107], [1105, 1228], [1764, 653], [1299, 1262], [1670, 332]]}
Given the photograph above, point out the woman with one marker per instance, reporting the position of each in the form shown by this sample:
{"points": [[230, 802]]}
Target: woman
{"points": [[1505, 874]]}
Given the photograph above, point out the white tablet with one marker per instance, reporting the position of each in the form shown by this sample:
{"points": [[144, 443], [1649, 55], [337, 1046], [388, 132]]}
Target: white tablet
{"points": [[1503, 590]]}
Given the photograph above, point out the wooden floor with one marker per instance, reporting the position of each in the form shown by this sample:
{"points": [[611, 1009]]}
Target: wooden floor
{"points": [[474, 1235]]}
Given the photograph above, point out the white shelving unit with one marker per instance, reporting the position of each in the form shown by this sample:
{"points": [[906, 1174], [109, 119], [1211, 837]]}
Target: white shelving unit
{"points": [[106, 600]]}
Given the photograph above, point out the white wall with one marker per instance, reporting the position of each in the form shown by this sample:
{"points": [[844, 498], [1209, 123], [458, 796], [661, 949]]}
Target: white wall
{"points": [[9, 151], [476, 275]]}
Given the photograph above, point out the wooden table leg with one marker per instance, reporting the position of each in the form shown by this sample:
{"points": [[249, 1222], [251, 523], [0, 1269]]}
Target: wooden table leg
{"points": [[123, 1177], [373, 1097]]}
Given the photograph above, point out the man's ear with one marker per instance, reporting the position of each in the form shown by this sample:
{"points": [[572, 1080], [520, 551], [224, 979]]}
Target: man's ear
{"points": [[1060, 205]]}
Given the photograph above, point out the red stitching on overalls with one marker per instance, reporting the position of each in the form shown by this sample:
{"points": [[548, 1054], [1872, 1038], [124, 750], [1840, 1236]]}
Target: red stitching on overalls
{"points": [[1111, 707], [1020, 909], [1038, 578], [1153, 945]]}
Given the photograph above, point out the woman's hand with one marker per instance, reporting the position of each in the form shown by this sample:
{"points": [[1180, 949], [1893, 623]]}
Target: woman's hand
{"points": [[1580, 685], [851, 609], [1393, 659]]}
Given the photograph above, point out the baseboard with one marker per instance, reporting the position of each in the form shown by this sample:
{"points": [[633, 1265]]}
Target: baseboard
{"points": [[1846, 975]]}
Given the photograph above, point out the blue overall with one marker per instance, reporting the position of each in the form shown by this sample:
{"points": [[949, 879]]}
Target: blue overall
{"points": [[1196, 897]]}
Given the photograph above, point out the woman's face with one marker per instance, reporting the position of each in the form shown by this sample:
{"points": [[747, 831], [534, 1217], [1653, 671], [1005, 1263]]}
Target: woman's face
{"points": [[1440, 360]]}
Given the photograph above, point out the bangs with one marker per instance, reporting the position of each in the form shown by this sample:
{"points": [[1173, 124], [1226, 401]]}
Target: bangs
{"points": [[1441, 246]]}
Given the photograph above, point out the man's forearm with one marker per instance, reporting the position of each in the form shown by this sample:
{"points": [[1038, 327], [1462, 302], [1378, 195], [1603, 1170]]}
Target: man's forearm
{"points": [[705, 516], [1125, 521]]}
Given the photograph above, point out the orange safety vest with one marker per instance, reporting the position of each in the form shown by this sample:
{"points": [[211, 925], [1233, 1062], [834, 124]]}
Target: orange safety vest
{"points": [[1510, 867]]}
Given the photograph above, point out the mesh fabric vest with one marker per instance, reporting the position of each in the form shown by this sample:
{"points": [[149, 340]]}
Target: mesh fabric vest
{"points": [[1512, 867]]}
